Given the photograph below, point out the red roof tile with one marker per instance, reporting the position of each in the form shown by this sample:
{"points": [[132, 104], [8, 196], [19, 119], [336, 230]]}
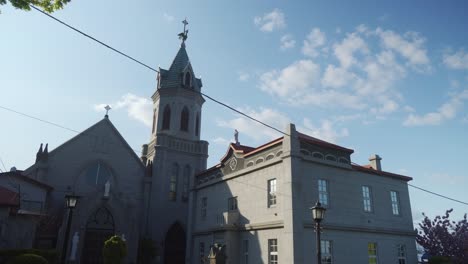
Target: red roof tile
{"points": [[383, 173], [322, 143]]}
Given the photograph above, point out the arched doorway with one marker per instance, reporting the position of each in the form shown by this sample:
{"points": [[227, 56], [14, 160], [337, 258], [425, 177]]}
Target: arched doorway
{"points": [[174, 245], [99, 228]]}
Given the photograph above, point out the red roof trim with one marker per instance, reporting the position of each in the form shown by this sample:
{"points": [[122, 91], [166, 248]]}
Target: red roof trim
{"points": [[26, 179], [264, 146], [322, 143], [384, 173]]}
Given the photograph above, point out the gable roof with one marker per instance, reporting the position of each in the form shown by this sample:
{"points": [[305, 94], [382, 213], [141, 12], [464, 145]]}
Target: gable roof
{"points": [[8, 197], [18, 175], [86, 132]]}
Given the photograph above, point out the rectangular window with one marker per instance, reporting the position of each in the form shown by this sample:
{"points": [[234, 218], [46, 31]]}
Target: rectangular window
{"points": [[232, 204], [204, 203], [271, 192], [401, 254], [246, 251], [202, 252], [395, 203], [326, 249], [323, 192], [372, 252], [367, 198], [272, 251]]}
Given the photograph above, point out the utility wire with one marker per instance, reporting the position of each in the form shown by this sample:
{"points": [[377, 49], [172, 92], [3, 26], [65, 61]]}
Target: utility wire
{"points": [[436, 194], [205, 95], [151, 68]]}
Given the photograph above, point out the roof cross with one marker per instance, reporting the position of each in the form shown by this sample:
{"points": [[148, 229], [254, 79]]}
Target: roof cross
{"points": [[183, 35], [107, 107]]}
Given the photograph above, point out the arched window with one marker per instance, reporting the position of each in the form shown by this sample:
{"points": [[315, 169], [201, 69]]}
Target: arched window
{"points": [[173, 182], [166, 118], [185, 186], [184, 119], [188, 79], [197, 125], [154, 121], [98, 174]]}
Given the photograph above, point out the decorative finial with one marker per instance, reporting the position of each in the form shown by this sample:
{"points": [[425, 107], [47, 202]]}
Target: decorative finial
{"points": [[236, 137], [183, 35], [107, 107]]}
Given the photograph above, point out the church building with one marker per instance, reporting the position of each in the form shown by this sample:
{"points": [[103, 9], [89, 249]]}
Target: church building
{"points": [[256, 201]]}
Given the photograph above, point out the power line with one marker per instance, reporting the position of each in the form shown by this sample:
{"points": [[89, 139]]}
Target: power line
{"points": [[440, 195], [151, 68]]}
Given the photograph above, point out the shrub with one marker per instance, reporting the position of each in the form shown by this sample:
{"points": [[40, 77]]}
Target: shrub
{"points": [[440, 260], [114, 250], [7, 254], [28, 259]]}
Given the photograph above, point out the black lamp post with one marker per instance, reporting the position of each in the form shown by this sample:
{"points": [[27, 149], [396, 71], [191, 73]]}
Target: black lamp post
{"points": [[318, 213], [70, 201]]}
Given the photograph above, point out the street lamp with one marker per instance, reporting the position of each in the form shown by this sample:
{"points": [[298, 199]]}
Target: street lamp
{"points": [[318, 213], [70, 201]]}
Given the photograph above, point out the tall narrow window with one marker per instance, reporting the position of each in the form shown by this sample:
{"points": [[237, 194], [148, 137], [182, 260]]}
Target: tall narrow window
{"points": [[323, 192], [154, 121], [197, 125], [185, 183], [367, 198], [204, 204], [202, 253], [232, 204], [246, 251], [271, 192], [326, 249], [401, 249], [272, 251], [188, 79], [166, 118], [173, 182], [372, 252], [184, 119], [395, 203]]}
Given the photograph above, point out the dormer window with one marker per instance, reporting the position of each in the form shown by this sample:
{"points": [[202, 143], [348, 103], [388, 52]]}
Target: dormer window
{"points": [[188, 79]]}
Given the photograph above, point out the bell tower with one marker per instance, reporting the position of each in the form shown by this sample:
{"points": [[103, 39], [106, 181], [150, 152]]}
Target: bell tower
{"points": [[176, 152]]}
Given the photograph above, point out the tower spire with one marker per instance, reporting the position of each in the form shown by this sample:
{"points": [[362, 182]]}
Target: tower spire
{"points": [[184, 34]]}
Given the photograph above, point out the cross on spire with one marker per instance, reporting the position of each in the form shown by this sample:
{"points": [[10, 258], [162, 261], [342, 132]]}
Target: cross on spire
{"points": [[107, 107], [183, 35]]}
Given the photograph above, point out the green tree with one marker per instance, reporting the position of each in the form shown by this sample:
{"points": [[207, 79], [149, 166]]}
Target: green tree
{"points": [[114, 251], [47, 5]]}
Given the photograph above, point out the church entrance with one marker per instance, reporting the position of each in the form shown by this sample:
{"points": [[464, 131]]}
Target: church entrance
{"points": [[99, 228], [174, 245]]}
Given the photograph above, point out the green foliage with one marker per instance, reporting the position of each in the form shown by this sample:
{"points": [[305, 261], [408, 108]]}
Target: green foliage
{"points": [[49, 255], [47, 5], [28, 259], [440, 260], [146, 250], [114, 251]]}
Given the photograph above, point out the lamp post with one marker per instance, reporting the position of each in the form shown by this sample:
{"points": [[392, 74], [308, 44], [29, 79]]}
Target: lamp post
{"points": [[70, 201], [318, 213]]}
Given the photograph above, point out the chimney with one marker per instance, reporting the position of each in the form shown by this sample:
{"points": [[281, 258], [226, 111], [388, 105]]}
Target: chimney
{"points": [[144, 153], [375, 162]]}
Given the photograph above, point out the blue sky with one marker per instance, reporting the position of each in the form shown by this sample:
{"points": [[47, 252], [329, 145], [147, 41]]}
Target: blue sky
{"points": [[385, 77]]}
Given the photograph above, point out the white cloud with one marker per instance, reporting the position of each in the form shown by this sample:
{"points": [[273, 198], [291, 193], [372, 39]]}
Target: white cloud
{"points": [[271, 21], [457, 60], [168, 17], [221, 141], [345, 50], [445, 112], [336, 77], [410, 46], [292, 80], [325, 131], [315, 39], [287, 42], [255, 130], [138, 108], [243, 76]]}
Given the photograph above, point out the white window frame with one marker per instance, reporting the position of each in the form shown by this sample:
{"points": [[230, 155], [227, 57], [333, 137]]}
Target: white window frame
{"points": [[272, 187], [273, 251], [323, 192], [395, 200], [367, 198], [326, 247], [232, 203], [373, 256], [204, 205], [401, 253]]}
